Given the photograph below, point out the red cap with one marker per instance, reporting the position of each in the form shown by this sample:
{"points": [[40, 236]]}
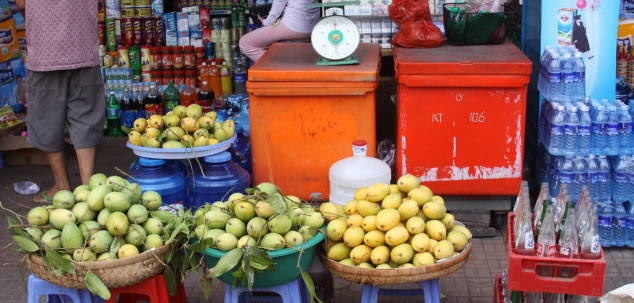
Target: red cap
{"points": [[359, 143]]}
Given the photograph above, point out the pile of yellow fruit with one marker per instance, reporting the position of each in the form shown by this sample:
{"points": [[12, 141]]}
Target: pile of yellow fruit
{"points": [[183, 127], [393, 226]]}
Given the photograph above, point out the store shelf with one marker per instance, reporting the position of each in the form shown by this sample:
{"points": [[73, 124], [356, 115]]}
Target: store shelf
{"points": [[220, 12]]}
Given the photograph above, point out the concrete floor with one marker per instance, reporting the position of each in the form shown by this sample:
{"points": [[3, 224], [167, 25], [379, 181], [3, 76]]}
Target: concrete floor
{"points": [[473, 283]]}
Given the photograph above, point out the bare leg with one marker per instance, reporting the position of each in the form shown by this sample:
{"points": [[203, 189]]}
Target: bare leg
{"points": [[58, 166], [86, 161]]}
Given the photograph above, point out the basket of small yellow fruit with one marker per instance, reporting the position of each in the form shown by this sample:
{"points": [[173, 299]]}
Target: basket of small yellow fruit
{"points": [[393, 234]]}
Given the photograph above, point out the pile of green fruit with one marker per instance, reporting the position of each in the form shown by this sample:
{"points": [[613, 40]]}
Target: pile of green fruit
{"points": [[393, 226], [266, 219], [183, 127], [105, 220]]}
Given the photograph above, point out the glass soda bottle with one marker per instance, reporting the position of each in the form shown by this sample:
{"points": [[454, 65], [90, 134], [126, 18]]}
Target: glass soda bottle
{"points": [[590, 246], [225, 80], [153, 103], [139, 105], [128, 110], [524, 239], [113, 117], [171, 97], [206, 95], [544, 194], [546, 244], [188, 96], [214, 79]]}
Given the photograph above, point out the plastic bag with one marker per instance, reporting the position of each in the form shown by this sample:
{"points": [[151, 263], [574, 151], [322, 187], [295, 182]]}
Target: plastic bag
{"points": [[403, 11], [623, 294], [418, 34]]}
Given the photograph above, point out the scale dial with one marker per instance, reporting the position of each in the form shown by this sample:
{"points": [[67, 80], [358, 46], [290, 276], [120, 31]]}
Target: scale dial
{"points": [[335, 37]]}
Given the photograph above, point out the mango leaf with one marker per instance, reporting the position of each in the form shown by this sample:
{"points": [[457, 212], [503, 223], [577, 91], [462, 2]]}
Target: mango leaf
{"points": [[259, 259], [277, 202], [96, 286], [248, 271], [249, 191], [207, 287], [126, 130], [238, 278], [170, 281], [180, 228], [310, 286], [57, 261], [162, 215], [114, 248], [163, 135], [26, 244], [169, 257], [226, 263]]}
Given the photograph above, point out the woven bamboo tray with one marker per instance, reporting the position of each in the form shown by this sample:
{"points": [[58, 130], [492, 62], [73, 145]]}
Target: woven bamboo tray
{"points": [[395, 276], [113, 273]]}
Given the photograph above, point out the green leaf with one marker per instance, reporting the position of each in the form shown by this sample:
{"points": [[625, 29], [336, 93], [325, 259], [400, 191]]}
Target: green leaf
{"points": [[163, 215], [169, 257], [26, 244], [310, 286], [114, 248], [207, 287], [226, 263], [126, 130], [96, 286], [277, 202], [249, 191], [248, 271], [163, 135], [58, 262], [180, 228], [170, 281]]}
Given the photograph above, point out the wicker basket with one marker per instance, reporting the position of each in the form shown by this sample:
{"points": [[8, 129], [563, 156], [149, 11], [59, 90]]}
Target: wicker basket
{"points": [[396, 276], [113, 273]]}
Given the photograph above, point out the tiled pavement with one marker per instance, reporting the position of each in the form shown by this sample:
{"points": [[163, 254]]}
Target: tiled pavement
{"points": [[472, 283]]}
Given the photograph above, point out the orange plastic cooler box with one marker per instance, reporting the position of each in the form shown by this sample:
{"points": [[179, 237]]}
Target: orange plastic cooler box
{"points": [[304, 117], [461, 112]]}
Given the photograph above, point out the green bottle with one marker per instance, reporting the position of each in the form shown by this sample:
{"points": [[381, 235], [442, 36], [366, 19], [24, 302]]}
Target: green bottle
{"points": [[569, 206], [547, 204], [113, 116], [171, 97]]}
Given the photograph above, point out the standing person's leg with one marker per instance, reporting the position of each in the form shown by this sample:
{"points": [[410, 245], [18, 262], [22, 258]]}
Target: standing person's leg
{"points": [[86, 114], [47, 93], [255, 43]]}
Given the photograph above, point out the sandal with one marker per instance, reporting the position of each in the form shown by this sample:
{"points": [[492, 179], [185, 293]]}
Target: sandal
{"points": [[42, 198]]}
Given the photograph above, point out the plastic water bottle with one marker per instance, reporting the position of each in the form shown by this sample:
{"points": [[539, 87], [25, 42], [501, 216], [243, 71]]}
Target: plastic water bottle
{"points": [[599, 139], [566, 174], [621, 180], [612, 132], [557, 137], [604, 180], [584, 142], [571, 127], [592, 166], [554, 90], [618, 224], [625, 130], [580, 76], [543, 60], [629, 227], [581, 177], [605, 225], [568, 78]]}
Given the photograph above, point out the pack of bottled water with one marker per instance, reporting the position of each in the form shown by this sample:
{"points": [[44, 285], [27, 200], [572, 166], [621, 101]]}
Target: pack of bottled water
{"points": [[599, 127], [562, 74]]}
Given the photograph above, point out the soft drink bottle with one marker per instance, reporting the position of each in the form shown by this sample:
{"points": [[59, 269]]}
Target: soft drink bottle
{"points": [[139, 105], [188, 96], [214, 79], [604, 179], [128, 110], [583, 216], [534, 297], [569, 245], [544, 194], [171, 97], [225, 80], [555, 298], [599, 138], [590, 246], [625, 130], [114, 116], [546, 244], [612, 132], [524, 239], [606, 232], [153, 103], [618, 223], [571, 127], [584, 142], [629, 227], [206, 95], [621, 180], [240, 74], [520, 195]]}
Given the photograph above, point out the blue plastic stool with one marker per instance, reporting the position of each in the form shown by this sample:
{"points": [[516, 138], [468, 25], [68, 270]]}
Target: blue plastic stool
{"points": [[429, 288], [291, 292], [38, 287]]}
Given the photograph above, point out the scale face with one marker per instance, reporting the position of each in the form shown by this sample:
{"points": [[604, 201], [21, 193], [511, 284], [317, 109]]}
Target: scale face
{"points": [[336, 38]]}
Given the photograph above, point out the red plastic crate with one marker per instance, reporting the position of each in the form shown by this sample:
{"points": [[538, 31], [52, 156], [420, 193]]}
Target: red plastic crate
{"points": [[498, 297], [522, 275]]}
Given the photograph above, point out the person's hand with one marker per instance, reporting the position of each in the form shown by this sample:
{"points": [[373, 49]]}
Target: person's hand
{"points": [[260, 18], [20, 4]]}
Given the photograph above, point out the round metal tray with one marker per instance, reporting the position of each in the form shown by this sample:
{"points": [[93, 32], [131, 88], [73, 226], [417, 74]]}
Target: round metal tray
{"points": [[181, 153]]}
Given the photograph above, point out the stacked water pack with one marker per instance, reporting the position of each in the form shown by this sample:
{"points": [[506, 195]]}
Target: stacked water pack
{"points": [[562, 74]]}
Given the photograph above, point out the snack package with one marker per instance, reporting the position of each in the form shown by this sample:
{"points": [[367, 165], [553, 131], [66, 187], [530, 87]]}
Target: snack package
{"points": [[9, 41], [7, 117]]}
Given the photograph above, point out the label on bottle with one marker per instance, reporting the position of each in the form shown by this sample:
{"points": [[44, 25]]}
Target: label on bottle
{"points": [[553, 77], [618, 222], [113, 113], [620, 177], [564, 252], [544, 250], [625, 128], [129, 117], [612, 129], [596, 245], [629, 223], [529, 239], [570, 130], [566, 177], [604, 221], [169, 105], [599, 177], [240, 77], [583, 130], [581, 76], [557, 130], [153, 109], [581, 178], [569, 77], [598, 128], [141, 114]]}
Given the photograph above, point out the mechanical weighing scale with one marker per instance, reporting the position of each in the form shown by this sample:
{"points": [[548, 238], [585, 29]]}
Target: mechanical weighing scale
{"points": [[335, 38]]}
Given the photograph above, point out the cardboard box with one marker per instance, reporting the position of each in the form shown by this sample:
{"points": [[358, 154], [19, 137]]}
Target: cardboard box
{"points": [[182, 22], [20, 152], [194, 21]]}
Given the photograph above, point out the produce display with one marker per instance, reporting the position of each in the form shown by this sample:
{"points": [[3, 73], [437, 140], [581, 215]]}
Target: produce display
{"points": [[393, 226], [183, 127]]}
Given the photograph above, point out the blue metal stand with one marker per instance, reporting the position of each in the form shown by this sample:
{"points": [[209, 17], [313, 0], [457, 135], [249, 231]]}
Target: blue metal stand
{"points": [[429, 288], [56, 294], [291, 292]]}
